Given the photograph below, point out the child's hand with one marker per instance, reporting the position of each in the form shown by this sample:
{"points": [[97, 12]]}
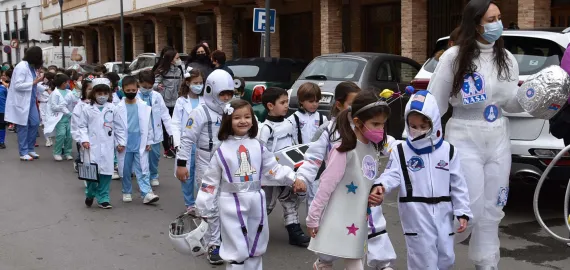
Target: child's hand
{"points": [[147, 148], [462, 225], [313, 231], [376, 196], [120, 148], [299, 186], [85, 145], [182, 174]]}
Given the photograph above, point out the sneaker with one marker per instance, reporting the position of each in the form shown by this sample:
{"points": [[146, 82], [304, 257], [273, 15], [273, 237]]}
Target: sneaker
{"points": [[319, 265], [214, 255], [191, 209], [26, 158], [154, 182], [57, 158], [150, 198], [116, 176], [49, 142], [36, 145], [75, 167], [69, 157], [12, 128], [387, 268], [2, 146], [105, 205], [127, 198], [88, 202], [296, 235], [169, 154], [34, 155]]}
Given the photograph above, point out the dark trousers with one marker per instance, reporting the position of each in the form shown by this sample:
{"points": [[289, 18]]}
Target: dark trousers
{"points": [[166, 140]]}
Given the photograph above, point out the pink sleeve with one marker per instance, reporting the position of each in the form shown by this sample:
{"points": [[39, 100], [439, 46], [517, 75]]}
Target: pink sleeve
{"points": [[565, 63], [336, 164]]}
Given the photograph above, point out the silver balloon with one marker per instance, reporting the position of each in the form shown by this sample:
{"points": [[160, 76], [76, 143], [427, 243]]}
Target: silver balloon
{"points": [[543, 94]]}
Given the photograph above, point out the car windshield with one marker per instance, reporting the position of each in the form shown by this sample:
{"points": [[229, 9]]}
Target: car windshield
{"points": [[532, 54], [145, 62], [118, 68], [245, 71], [334, 69], [253, 69]]}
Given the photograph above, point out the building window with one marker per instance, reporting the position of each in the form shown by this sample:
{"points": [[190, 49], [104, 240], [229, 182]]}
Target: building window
{"points": [[382, 28]]}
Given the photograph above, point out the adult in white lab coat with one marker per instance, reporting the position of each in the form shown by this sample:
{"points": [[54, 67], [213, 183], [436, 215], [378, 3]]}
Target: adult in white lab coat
{"points": [[21, 106]]}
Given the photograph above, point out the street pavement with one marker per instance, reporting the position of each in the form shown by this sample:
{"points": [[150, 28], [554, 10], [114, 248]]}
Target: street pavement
{"points": [[44, 224]]}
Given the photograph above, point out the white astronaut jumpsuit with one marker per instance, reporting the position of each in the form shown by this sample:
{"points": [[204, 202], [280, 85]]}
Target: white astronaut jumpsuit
{"points": [[305, 125], [234, 178], [432, 190], [482, 137], [381, 253], [202, 128]]}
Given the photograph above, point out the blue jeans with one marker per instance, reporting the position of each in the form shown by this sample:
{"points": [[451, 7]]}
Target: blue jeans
{"points": [[27, 134], [133, 163], [153, 157], [188, 187]]}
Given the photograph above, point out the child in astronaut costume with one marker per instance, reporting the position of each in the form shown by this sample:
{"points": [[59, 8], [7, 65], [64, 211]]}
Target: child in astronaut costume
{"points": [[432, 191], [232, 186], [202, 127], [380, 252]]}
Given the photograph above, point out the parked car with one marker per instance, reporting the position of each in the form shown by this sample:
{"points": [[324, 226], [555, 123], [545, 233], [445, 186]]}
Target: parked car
{"points": [[82, 68], [261, 73], [374, 71], [146, 61], [117, 67], [532, 146]]}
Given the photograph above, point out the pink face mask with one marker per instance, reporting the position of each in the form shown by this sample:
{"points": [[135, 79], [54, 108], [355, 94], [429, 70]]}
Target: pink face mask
{"points": [[374, 135]]}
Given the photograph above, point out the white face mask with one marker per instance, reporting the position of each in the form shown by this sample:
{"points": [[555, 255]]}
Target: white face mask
{"points": [[101, 100], [196, 88], [416, 133], [145, 91]]}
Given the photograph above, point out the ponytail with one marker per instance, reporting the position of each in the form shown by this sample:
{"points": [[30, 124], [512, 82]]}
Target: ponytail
{"points": [[345, 131]]}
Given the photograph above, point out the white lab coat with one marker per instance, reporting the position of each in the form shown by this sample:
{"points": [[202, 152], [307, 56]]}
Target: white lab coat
{"points": [[75, 119], [19, 95], [160, 115], [116, 99], [91, 129], [122, 129], [58, 106], [180, 116]]}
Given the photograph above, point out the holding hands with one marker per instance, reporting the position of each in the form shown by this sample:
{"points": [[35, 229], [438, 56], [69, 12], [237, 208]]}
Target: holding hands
{"points": [[376, 196]]}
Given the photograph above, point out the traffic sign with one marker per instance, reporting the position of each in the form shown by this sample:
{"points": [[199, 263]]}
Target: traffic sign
{"points": [[7, 49], [259, 20], [14, 43]]}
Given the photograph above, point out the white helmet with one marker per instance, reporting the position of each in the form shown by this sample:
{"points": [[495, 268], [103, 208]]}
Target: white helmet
{"points": [[218, 81], [186, 234]]}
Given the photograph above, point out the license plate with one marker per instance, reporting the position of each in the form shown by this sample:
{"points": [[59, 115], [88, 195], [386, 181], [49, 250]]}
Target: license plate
{"points": [[326, 99]]}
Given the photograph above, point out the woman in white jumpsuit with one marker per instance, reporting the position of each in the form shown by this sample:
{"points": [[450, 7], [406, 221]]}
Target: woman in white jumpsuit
{"points": [[479, 77]]}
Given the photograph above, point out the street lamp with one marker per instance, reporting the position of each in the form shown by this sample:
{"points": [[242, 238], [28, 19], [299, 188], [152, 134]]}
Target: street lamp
{"points": [[25, 15], [62, 47]]}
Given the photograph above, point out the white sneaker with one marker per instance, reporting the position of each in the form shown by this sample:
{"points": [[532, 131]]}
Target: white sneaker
{"points": [[49, 142], [57, 158], [69, 157], [34, 155], [150, 198], [127, 198], [318, 265], [26, 158], [116, 176], [154, 182]]}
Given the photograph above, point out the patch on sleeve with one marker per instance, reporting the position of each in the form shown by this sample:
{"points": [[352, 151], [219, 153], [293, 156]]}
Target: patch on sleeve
{"points": [[208, 188], [389, 164], [503, 196], [315, 161], [189, 123]]}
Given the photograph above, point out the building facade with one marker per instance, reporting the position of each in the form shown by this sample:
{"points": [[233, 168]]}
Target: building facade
{"points": [[13, 26], [304, 28]]}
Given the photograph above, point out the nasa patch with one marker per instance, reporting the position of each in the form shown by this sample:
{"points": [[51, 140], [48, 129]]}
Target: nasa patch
{"points": [[189, 123], [442, 165], [491, 113], [530, 93], [415, 163], [503, 196], [218, 122], [473, 89]]}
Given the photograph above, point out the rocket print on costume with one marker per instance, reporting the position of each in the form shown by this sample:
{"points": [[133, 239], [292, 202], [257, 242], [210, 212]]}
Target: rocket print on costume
{"points": [[245, 170]]}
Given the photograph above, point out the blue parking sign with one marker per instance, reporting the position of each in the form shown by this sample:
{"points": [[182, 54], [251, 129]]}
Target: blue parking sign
{"points": [[259, 20]]}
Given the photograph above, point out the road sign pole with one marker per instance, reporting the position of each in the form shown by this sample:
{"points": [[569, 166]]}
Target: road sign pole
{"points": [[61, 41], [268, 28]]}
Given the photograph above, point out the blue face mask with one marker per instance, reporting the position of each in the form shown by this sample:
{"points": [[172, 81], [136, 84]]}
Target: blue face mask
{"points": [[493, 31]]}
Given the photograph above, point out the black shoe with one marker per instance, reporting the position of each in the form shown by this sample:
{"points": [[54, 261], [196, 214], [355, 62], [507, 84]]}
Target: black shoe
{"points": [[88, 202], [296, 235], [105, 205], [2, 146], [214, 256]]}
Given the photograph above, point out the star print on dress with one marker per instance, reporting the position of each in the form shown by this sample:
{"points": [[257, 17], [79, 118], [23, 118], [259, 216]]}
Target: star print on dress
{"points": [[351, 188], [352, 229]]}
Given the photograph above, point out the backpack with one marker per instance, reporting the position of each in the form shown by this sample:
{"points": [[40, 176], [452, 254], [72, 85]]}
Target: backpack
{"points": [[299, 136]]}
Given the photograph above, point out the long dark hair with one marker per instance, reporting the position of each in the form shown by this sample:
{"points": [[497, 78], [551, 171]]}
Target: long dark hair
{"points": [[194, 58], [468, 49], [87, 80], [166, 62], [164, 50], [341, 93], [226, 126], [343, 122], [34, 57]]}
